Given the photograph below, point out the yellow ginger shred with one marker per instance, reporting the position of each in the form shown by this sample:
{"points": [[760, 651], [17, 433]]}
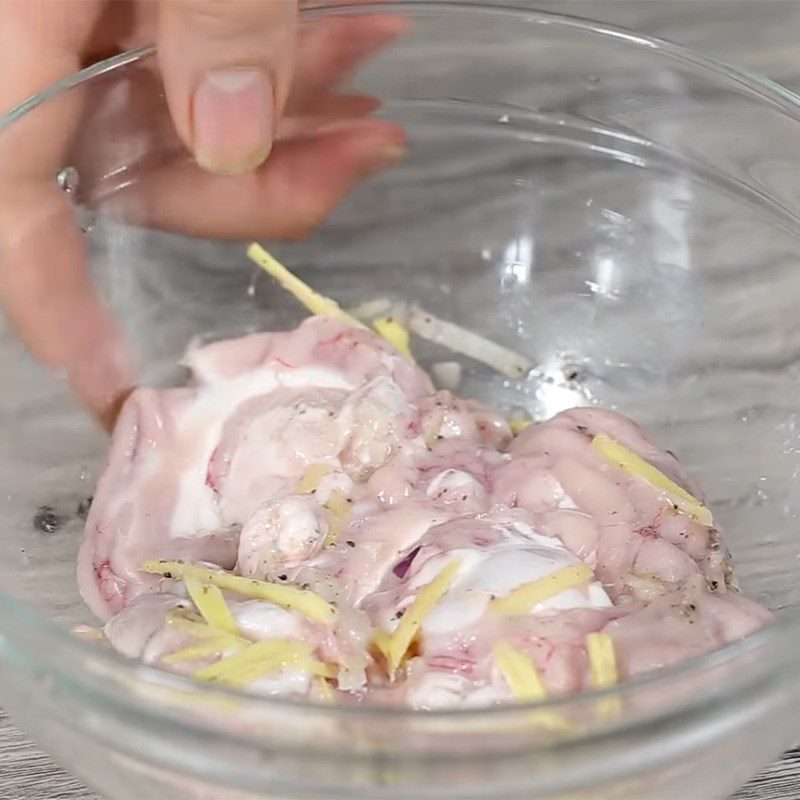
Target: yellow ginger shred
{"points": [[381, 640], [205, 648], [635, 465], [334, 529], [427, 597], [275, 663], [603, 669], [325, 691], [526, 684], [311, 479], [602, 660], [431, 434], [395, 333], [260, 669], [518, 424], [251, 672], [522, 599], [312, 300], [387, 328], [293, 656], [193, 624], [338, 513], [289, 597], [258, 658], [519, 672], [337, 505], [314, 667], [211, 604]]}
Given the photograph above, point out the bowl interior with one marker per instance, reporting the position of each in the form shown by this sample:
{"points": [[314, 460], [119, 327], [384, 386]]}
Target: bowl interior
{"points": [[572, 194]]}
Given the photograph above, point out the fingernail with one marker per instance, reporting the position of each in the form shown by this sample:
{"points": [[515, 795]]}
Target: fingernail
{"points": [[232, 120], [383, 157]]}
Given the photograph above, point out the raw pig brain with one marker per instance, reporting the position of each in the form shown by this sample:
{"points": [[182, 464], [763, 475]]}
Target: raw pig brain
{"points": [[398, 543]]}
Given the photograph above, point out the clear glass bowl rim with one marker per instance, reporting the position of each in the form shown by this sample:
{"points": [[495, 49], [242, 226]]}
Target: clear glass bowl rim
{"points": [[67, 648]]}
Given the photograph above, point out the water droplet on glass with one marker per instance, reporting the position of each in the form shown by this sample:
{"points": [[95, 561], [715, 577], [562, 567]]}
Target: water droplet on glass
{"points": [[503, 120], [68, 180], [593, 80]]}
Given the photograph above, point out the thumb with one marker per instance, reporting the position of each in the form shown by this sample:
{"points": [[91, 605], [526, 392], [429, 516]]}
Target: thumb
{"points": [[226, 68]]}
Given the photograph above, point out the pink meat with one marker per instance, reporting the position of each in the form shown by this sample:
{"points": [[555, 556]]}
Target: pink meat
{"points": [[188, 467], [684, 623], [211, 473]]}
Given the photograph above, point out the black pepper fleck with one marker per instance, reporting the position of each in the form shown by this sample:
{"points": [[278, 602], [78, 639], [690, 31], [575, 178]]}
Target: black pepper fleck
{"points": [[582, 429], [350, 543], [46, 520], [167, 574], [282, 577]]}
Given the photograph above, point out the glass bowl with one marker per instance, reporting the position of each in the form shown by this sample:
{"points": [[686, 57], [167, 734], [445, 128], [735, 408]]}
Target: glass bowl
{"points": [[622, 211]]}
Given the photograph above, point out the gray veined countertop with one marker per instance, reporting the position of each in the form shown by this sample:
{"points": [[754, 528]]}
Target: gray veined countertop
{"points": [[762, 35]]}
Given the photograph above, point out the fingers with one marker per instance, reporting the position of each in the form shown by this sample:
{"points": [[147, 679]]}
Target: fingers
{"points": [[44, 286], [330, 108], [227, 74], [293, 192], [227, 69], [330, 50]]}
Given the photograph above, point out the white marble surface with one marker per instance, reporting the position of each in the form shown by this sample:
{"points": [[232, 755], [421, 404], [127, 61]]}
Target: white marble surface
{"points": [[762, 35]]}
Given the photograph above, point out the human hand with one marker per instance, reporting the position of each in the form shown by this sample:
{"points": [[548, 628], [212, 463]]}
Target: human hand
{"points": [[241, 82]]}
